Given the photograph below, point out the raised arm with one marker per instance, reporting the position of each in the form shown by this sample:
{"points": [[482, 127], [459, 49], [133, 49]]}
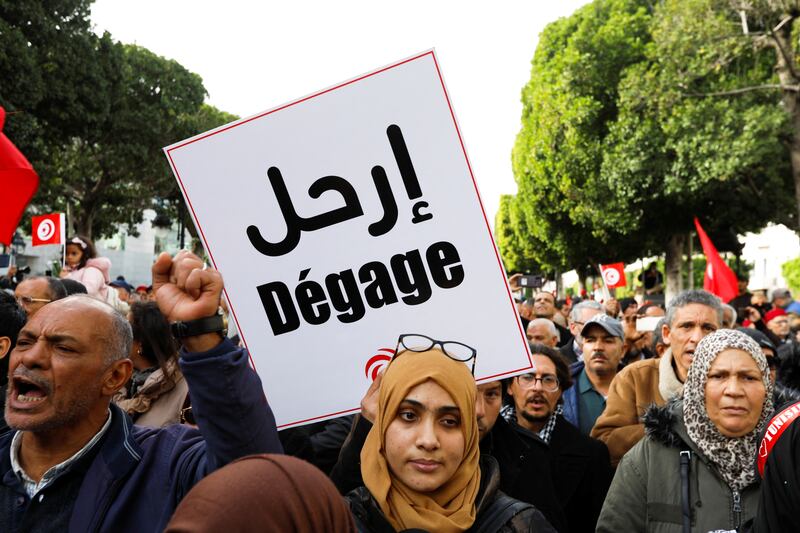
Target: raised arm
{"points": [[227, 396]]}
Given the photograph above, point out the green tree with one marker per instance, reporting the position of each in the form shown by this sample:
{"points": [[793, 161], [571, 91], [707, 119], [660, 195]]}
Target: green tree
{"points": [[111, 173], [567, 107], [685, 145], [791, 273], [92, 115], [632, 126], [512, 237], [169, 203]]}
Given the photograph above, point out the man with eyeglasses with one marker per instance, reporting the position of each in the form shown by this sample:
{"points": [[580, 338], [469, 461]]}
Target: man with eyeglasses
{"points": [[34, 293], [580, 314], [580, 465]]}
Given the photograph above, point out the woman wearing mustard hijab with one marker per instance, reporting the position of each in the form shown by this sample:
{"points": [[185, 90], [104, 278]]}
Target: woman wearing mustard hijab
{"points": [[421, 464]]}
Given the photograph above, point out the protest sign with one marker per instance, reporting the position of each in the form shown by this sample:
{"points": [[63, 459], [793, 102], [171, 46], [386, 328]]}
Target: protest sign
{"points": [[339, 222]]}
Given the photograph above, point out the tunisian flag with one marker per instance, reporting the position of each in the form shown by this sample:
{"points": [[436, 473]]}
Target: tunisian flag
{"points": [[614, 275], [720, 279], [18, 184]]}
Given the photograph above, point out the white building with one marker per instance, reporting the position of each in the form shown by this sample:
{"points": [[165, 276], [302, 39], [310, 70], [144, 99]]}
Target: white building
{"points": [[130, 257], [768, 250]]}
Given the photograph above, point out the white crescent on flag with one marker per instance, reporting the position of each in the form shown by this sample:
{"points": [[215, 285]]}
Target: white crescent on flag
{"points": [[611, 275]]}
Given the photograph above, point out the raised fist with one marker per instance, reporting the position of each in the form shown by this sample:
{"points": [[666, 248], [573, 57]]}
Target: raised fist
{"points": [[185, 290]]}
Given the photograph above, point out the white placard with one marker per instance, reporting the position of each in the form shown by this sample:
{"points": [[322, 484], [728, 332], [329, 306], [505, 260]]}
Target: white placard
{"points": [[340, 221]]}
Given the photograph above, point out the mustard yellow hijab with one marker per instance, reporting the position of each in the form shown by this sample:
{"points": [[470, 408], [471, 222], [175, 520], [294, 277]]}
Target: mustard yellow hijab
{"points": [[451, 507]]}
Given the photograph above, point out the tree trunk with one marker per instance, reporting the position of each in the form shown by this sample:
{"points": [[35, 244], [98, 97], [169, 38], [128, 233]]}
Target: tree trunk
{"points": [[787, 70], [690, 262], [673, 260], [83, 225]]}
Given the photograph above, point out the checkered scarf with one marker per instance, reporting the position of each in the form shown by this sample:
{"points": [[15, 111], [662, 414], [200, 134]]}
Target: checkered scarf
{"points": [[509, 413]]}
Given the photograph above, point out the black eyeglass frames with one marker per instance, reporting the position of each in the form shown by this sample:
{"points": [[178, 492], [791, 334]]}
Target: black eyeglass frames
{"points": [[457, 351]]}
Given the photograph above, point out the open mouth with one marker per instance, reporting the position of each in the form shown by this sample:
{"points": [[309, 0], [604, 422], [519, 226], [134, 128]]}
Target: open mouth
{"points": [[536, 402], [28, 391]]}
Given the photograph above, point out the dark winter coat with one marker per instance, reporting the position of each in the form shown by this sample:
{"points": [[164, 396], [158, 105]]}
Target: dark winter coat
{"points": [[780, 490], [646, 492], [581, 474], [526, 518]]}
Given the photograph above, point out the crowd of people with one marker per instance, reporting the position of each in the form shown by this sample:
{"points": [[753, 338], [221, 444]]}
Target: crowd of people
{"points": [[132, 410]]}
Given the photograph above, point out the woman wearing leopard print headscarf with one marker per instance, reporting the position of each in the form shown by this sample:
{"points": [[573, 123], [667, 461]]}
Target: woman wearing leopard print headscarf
{"points": [[694, 470]]}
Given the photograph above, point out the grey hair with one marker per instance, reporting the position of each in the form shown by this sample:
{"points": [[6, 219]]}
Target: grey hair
{"points": [[701, 297], [732, 310], [575, 314], [551, 327], [119, 338]]}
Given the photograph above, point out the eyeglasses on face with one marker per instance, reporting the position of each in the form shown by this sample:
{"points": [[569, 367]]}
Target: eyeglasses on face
{"points": [[457, 351], [27, 300], [528, 381]]}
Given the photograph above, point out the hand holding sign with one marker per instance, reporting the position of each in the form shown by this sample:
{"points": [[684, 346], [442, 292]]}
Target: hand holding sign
{"points": [[369, 403]]}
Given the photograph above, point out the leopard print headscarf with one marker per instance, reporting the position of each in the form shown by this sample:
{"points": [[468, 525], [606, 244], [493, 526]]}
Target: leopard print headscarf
{"points": [[732, 456]]}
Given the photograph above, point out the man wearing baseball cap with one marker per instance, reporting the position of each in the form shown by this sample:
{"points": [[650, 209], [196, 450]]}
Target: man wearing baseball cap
{"points": [[585, 401]]}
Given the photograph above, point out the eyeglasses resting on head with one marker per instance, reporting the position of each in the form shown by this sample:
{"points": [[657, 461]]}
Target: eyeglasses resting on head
{"points": [[457, 351]]}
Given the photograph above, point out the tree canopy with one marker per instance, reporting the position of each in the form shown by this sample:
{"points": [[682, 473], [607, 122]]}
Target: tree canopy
{"points": [[93, 114], [632, 125]]}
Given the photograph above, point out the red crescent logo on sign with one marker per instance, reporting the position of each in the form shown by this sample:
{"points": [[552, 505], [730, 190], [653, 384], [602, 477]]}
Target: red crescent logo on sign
{"points": [[377, 362]]}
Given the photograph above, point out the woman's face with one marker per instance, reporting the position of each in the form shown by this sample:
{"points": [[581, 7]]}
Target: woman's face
{"points": [[74, 254], [734, 393], [425, 441]]}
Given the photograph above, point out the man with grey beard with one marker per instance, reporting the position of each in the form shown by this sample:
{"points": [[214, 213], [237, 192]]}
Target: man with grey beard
{"points": [[75, 462]]}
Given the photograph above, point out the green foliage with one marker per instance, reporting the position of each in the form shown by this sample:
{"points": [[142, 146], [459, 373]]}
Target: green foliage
{"points": [[511, 234], [791, 273], [567, 106], [94, 114], [628, 132]]}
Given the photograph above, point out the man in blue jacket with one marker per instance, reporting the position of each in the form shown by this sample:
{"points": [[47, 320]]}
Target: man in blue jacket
{"points": [[603, 339], [75, 462]]}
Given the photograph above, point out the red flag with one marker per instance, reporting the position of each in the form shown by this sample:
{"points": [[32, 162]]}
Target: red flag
{"points": [[18, 183], [614, 275], [48, 229], [720, 279]]}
